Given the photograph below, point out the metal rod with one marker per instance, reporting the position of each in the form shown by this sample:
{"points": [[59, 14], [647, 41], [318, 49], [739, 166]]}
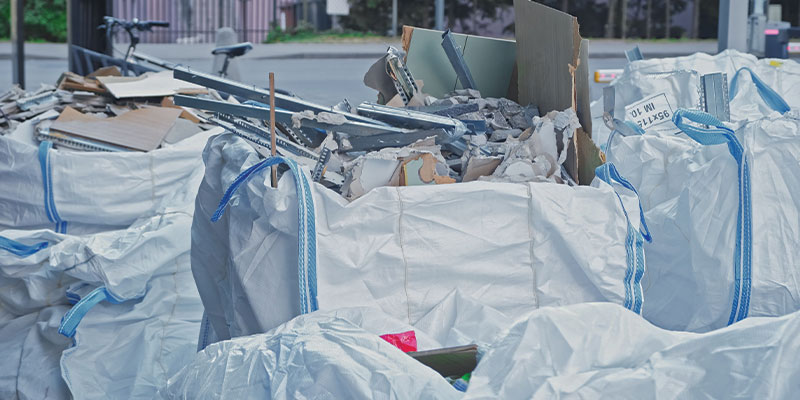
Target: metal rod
{"points": [[257, 94], [439, 4], [456, 57], [18, 42], [272, 126]]}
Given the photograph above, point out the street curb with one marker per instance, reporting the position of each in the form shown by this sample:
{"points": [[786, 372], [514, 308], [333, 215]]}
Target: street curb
{"points": [[33, 57], [375, 55]]}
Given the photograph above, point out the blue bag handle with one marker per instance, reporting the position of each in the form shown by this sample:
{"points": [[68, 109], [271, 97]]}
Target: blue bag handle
{"points": [[770, 96], [717, 133], [73, 317], [634, 241], [19, 249], [306, 230]]}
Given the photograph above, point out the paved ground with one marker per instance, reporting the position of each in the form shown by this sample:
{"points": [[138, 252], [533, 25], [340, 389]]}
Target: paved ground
{"points": [[323, 73]]}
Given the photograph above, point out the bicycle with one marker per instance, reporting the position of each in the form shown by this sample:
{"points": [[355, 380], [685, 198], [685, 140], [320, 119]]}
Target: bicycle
{"points": [[135, 26]]}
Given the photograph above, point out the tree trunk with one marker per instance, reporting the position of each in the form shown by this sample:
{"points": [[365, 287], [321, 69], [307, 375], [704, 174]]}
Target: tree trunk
{"points": [[696, 19], [565, 6], [667, 10], [648, 19], [610, 21], [623, 22]]}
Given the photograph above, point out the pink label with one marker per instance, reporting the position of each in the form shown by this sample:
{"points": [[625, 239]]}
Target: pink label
{"points": [[405, 341]]}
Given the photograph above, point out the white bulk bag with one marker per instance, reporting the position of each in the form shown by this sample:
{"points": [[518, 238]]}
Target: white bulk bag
{"points": [[86, 192], [679, 78], [30, 349], [757, 87], [514, 247], [725, 226], [127, 346], [129, 350], [600, 351]]}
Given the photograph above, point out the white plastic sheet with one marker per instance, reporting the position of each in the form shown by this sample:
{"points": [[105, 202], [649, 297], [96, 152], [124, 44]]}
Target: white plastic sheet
{"points": [[321, 355], [594, 351], [587, 351], [514, 247]]}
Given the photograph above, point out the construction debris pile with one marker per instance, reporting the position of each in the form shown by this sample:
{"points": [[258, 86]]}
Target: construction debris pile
{"points": [[102, 112], [461, 137], [181, 235]]}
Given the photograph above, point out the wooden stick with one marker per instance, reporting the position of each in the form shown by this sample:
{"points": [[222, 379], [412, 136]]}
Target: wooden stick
{"points": [[272, 144]]}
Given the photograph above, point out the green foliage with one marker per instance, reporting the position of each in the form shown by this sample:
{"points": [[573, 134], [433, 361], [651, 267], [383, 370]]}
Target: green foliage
{"points": [[375, 15], [45, 20], [307, 34]]}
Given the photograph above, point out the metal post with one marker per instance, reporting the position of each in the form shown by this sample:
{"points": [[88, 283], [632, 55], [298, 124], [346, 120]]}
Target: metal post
{"points": [[273, 146], [394, 18], [244, 20], [18, 42], [440, 15], [221, 14], [732, 20]]}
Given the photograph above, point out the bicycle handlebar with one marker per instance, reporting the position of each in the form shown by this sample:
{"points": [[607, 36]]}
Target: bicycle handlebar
{"points": [[132, 25]]}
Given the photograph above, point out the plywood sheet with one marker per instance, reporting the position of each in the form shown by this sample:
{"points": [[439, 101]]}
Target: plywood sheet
{"points": [[151, 84], [142, 129]]}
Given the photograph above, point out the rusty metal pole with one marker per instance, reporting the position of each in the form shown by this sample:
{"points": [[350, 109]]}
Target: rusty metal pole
{"points": [[18, 42], [272, 144]]}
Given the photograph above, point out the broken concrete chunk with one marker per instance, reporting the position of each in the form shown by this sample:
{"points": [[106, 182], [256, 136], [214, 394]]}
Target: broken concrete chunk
{"points": [[503, 134], [470, 93], [323, 117]]}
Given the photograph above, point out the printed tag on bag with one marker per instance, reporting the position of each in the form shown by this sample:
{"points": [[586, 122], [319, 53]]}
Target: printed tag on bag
{"points": [[650, 112]]}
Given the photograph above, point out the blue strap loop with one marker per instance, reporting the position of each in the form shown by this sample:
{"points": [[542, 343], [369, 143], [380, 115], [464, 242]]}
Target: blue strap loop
{"points": [[73, 317], [47, 183], [634, 241], [717, 133], [306, 231], [19, 249], [770, 96]]}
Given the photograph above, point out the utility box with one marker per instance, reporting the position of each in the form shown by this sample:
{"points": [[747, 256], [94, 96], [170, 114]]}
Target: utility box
{"points": [[777, 36]]}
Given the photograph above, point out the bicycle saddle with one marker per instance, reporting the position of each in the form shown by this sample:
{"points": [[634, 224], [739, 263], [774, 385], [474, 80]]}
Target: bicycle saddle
{"points": [[234, 50]]}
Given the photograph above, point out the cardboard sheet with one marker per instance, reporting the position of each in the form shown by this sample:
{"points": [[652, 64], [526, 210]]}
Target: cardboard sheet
{"points": [[151, 84], [553, 73], [142, 129], [73, 81]]}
